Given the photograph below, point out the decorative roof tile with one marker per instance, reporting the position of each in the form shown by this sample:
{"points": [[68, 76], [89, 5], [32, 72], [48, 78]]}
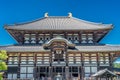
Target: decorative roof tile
{"points": [[37, 48], [103, 73], [58, 38], [59, 23]]}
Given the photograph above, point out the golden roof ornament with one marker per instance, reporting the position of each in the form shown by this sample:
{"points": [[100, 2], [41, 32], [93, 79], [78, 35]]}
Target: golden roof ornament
{"points": [[69, 14], [46, 14]]}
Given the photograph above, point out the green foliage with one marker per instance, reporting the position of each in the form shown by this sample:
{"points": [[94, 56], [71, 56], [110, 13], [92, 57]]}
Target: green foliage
{"points": [[116, 65], [3, 66], [3, 55], [1, 76]]}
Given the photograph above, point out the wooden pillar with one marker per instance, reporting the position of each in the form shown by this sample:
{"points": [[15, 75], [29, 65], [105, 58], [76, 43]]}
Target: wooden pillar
{"points": [[65, 35], [111, 58], [35, 67], [46, 71], [50, 71], [30, 38], [35, 73], [51, 35], [44, 38], [38, 75], [62, 73], [95, 37], [19, 34], [87, 38], [66, 56], [82, 66], [37, 38], [19, 61], [35, 59], [80, 37], [72, 37], [78, 73], [98, 61], [67, 72], [111, 78], [23, 39]]}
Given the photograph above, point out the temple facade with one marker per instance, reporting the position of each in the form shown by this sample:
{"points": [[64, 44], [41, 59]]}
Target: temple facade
{"points": [[58, 48]]}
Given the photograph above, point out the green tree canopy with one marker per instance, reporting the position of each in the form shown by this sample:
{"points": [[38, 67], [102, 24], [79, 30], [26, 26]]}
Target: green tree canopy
{"points": [[116, 65], [3, 66]]}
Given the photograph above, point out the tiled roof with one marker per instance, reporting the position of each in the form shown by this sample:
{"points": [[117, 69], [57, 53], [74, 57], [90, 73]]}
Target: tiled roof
{"points": [[22, 48], [98, 48], [37, 48], [103, 73], [59, 23]]}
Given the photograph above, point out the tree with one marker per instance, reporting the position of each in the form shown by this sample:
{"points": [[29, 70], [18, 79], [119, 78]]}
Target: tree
{"points": [[116, 65], [3, 66]]}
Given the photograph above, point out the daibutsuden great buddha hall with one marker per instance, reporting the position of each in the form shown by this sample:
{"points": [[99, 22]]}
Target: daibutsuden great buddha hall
{"points": [[59, 48]]}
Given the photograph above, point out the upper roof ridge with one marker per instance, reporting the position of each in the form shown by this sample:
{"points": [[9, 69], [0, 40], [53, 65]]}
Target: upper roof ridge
{"points": [[96, 23]]}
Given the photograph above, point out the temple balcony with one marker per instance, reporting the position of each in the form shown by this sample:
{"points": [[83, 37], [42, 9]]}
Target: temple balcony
{"points": [[87, 63], [104, 64], [41, 63], [60, 63], [77, 63]]}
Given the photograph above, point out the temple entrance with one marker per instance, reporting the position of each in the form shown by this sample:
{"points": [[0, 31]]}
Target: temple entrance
{"points": [[58, 77], [58, 73], [41, 73], [75, 72], [58, 54]]}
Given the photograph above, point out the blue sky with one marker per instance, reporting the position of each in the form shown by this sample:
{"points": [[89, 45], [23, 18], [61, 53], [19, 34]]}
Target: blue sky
{"points": [[117, 60], [17, 11]]}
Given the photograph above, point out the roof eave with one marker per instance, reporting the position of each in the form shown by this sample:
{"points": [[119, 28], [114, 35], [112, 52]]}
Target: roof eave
{"points": [[11, 28]]}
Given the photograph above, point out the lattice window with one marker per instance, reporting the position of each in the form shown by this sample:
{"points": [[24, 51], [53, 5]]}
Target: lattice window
{"points": [[94, 58], [24, 59], [47, 37], [26, 72], [30, 69], [89, 70], [87, 58], [46, 60], [93, 69], [12, 75], [33, 38], [90, 38], [41, 38], [84, 38], [78, 58], [76, 38], [13, 60], [27, 38], [30, 76], [30, 60], [39, 60], [104, 58], [23, 76], [70, 37]]}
